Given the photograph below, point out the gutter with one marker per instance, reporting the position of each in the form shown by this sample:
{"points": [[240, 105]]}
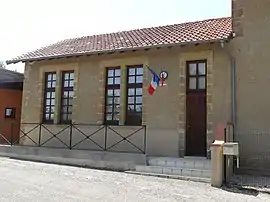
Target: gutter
{"points": [[4, 81], [115, 51]]}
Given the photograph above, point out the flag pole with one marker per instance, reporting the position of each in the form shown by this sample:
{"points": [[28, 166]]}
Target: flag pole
{"points": [[162, 77]]}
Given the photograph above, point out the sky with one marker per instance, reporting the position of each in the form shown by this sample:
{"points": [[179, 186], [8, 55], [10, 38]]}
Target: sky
{"points": [[27, 25]]}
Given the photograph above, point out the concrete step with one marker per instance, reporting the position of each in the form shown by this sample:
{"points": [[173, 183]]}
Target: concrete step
{"points": [[174, 171], [187, 162]]}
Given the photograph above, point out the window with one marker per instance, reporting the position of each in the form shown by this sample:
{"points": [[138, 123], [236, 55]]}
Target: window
{"points": [[196, 76], [67, 97], [134, 95], [10, 113], [112, 103], [49, 97]]}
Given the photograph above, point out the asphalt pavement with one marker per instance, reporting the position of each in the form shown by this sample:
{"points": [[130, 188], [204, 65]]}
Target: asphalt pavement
{"points": [[28, 181]]}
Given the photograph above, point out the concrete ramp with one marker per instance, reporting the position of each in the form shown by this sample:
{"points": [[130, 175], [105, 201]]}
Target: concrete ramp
{"points": [[85, 158]]}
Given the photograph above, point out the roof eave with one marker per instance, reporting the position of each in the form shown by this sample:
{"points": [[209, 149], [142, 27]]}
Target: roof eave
{"points": [[17, 80], [117, 50]]}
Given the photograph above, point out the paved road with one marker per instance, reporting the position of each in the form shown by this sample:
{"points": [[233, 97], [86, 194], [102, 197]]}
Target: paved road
{"points": [[28, 181]]}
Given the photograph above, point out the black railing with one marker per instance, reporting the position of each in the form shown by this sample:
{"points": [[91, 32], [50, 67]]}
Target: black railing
{"points": [[75, 136]]}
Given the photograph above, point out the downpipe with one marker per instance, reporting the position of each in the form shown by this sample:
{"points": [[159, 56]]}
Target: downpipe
{"points": [[233, 92], [232, 82], [233, 102]]}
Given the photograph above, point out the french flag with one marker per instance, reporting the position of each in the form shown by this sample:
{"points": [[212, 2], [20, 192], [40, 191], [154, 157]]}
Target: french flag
{"points": [[154, 83]]}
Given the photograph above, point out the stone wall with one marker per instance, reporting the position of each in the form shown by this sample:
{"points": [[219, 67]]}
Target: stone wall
{"points": [[163, 113], [251, 48]]}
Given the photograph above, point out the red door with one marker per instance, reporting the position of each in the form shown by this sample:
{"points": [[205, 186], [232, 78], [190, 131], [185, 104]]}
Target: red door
{"points": [[196, 109]]}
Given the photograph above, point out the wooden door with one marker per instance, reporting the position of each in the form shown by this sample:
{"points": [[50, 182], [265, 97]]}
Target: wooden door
{"points": [[196, 108]]}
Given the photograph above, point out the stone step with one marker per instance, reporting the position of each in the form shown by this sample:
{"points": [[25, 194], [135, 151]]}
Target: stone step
{"points": [[174, 171], [190, 163]]}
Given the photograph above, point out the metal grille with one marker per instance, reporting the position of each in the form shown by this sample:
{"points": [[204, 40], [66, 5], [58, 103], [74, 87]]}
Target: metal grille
{"points": [[75, 136]]}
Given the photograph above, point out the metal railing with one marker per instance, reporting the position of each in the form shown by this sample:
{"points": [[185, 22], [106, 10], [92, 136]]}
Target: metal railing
{"points": [[115, 138]]}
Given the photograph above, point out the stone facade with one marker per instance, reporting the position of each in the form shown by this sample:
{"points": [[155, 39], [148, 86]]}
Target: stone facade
{"points": [[251, 48], [238, 14], [163, 114]]}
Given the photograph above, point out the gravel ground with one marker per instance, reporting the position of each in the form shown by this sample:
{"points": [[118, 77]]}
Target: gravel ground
{"points": [[261, 183], [28, 181]]}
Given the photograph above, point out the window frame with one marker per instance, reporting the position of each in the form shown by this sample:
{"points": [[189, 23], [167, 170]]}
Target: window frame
{"points": [[112, 87], [45, 98], [63, 90], [13, 113], [197, 76], [134, 86]]}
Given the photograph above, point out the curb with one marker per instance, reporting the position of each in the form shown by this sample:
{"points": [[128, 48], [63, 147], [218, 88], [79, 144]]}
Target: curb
{"points": [[176, 177], [81, 163]]}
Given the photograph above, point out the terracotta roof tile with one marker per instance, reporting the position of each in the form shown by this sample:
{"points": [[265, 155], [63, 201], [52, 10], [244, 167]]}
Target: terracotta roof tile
{"points": [[191, 32]]}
